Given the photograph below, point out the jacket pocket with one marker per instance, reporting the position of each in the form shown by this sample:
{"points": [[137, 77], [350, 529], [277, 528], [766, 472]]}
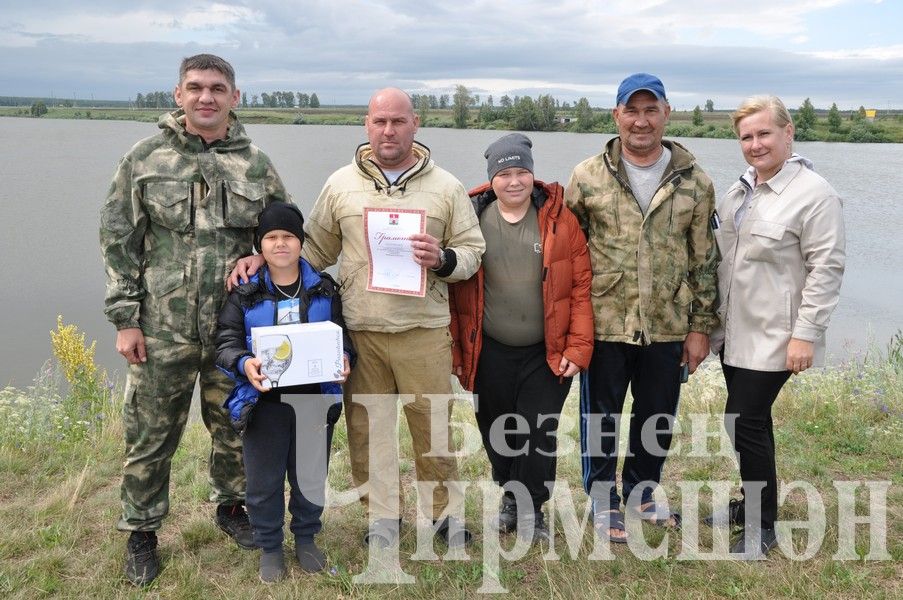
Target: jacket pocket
{"points": [[603, 282], [166, 304], [681, 213], [438, 291], [608, 303], [168, 204], [603, 213], [766, 241], [349, 285], [242, 203], [683, 296]]}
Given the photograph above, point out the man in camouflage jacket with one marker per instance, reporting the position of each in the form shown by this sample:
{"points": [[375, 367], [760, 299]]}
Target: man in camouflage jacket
{"points": [[648, 210], [180, 211]]}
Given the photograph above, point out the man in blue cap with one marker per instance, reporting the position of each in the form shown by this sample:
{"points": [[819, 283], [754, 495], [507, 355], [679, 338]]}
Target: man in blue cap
{"points": [[648, 212]]}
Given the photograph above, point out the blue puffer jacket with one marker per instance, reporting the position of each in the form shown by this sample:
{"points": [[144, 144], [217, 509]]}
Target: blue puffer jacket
{"points": [[254, 304]]}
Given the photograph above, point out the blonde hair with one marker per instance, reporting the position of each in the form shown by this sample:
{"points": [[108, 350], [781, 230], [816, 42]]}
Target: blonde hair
{"points": [[755, 104]]}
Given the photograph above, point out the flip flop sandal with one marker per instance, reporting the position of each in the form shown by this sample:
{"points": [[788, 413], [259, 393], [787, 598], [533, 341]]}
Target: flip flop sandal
{"points": [[610, 519], [660, 518]]}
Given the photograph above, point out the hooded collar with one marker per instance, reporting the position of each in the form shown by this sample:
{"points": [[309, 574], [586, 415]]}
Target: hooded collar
{"points": [[363, 158], [681, 158], [544, 195], [173, 126], [782, 178]]}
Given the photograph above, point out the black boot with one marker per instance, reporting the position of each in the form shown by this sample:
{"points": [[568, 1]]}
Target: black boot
{"points": [[233, 519], [507, 519], [141, 563]]}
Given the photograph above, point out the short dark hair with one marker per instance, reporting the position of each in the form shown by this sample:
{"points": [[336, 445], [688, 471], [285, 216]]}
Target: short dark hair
{"points": [[203, 62]]}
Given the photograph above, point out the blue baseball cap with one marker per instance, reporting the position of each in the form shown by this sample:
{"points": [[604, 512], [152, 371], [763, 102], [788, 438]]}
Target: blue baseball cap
{"points": [[640, 81]]}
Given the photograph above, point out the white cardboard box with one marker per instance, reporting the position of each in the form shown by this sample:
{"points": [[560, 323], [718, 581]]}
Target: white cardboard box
{"points": [[300, 353]]}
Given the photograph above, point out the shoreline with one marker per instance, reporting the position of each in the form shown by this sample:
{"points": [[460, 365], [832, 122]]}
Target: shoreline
{"points": [[715, 124]]}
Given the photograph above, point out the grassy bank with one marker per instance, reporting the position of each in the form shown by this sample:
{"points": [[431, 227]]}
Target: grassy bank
{"points": [[886, 128], [60, 458]]}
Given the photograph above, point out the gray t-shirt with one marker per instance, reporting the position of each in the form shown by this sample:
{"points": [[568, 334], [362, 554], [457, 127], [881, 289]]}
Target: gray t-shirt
{"points": [[512, 267], [645, 180]]}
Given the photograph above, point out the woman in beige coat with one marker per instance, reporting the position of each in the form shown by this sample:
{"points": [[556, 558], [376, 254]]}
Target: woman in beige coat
{"points": [[781, 237]]}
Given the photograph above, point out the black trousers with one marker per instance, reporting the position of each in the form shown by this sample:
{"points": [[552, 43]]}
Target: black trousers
{"points": [[517, 380], [269, 456], [747, 418], [653, 373]]}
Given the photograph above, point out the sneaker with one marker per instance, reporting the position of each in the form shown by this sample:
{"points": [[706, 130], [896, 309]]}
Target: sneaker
{"points": [[754, 543], [233, 519], [533, 528], [732, 516], [507, 519], [141, 563], [272, 566], [311, 558], [453, 532]]}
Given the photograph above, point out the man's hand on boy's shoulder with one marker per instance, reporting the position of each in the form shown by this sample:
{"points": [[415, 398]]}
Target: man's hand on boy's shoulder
{"points": [[244, 268]]}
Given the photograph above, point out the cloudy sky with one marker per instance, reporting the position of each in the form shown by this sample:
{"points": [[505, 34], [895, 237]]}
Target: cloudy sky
{"points": [[844, 51]]}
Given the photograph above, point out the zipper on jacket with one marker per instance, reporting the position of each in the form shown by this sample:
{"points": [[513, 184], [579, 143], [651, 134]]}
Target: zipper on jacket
{"points": [[191, 206], [223, 200], [676, 181]]}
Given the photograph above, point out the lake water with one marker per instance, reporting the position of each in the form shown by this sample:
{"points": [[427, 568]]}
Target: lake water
{"points": [[54, 176]]}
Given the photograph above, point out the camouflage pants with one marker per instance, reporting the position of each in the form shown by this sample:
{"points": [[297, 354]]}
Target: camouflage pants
{"points": [[157, 399]]}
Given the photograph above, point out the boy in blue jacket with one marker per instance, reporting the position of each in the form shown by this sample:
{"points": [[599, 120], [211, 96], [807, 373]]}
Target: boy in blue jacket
{"points": [[286, 290]]}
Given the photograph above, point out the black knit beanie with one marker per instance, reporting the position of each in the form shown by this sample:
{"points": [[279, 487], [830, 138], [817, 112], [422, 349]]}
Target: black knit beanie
{"points": [[279, 215], [512, 150]]}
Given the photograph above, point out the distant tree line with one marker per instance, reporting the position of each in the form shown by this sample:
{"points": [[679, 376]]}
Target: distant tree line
{"points": [[27, 101], [430, 101], [155, 100], [282, 100], [524, 113], [857, 129]]}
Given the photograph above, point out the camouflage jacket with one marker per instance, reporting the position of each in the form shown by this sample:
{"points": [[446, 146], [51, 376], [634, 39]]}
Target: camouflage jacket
{"points": [[654, 276], [178, 214], [336, 226]]}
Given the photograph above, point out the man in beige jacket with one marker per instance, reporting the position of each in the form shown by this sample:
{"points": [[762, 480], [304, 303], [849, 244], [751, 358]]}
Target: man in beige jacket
{"points": [[403, 341]]}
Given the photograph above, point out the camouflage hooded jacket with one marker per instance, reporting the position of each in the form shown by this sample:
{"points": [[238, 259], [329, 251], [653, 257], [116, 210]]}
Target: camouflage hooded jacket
{"points": [[178, 214], [654, 276]]}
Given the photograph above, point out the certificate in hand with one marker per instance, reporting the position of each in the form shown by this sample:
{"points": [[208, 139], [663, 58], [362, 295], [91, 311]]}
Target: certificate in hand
{"points": [[392, 269]]}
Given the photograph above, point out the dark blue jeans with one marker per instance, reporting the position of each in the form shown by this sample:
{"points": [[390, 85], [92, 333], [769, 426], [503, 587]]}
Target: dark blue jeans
{"points": [[653, 374], [269, 457]]}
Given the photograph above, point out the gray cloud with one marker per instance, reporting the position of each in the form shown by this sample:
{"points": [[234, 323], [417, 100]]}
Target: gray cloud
{"points": [[344, 50]]}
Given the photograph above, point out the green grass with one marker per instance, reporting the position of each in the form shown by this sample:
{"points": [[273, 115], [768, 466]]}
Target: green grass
{"points": [[59, 501]]}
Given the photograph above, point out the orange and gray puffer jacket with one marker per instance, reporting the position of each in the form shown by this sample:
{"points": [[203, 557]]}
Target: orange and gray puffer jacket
{"points": [[566, 280]]}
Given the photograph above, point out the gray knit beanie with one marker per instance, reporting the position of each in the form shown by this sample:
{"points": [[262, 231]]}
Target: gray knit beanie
{"points": [[512, 150]]}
